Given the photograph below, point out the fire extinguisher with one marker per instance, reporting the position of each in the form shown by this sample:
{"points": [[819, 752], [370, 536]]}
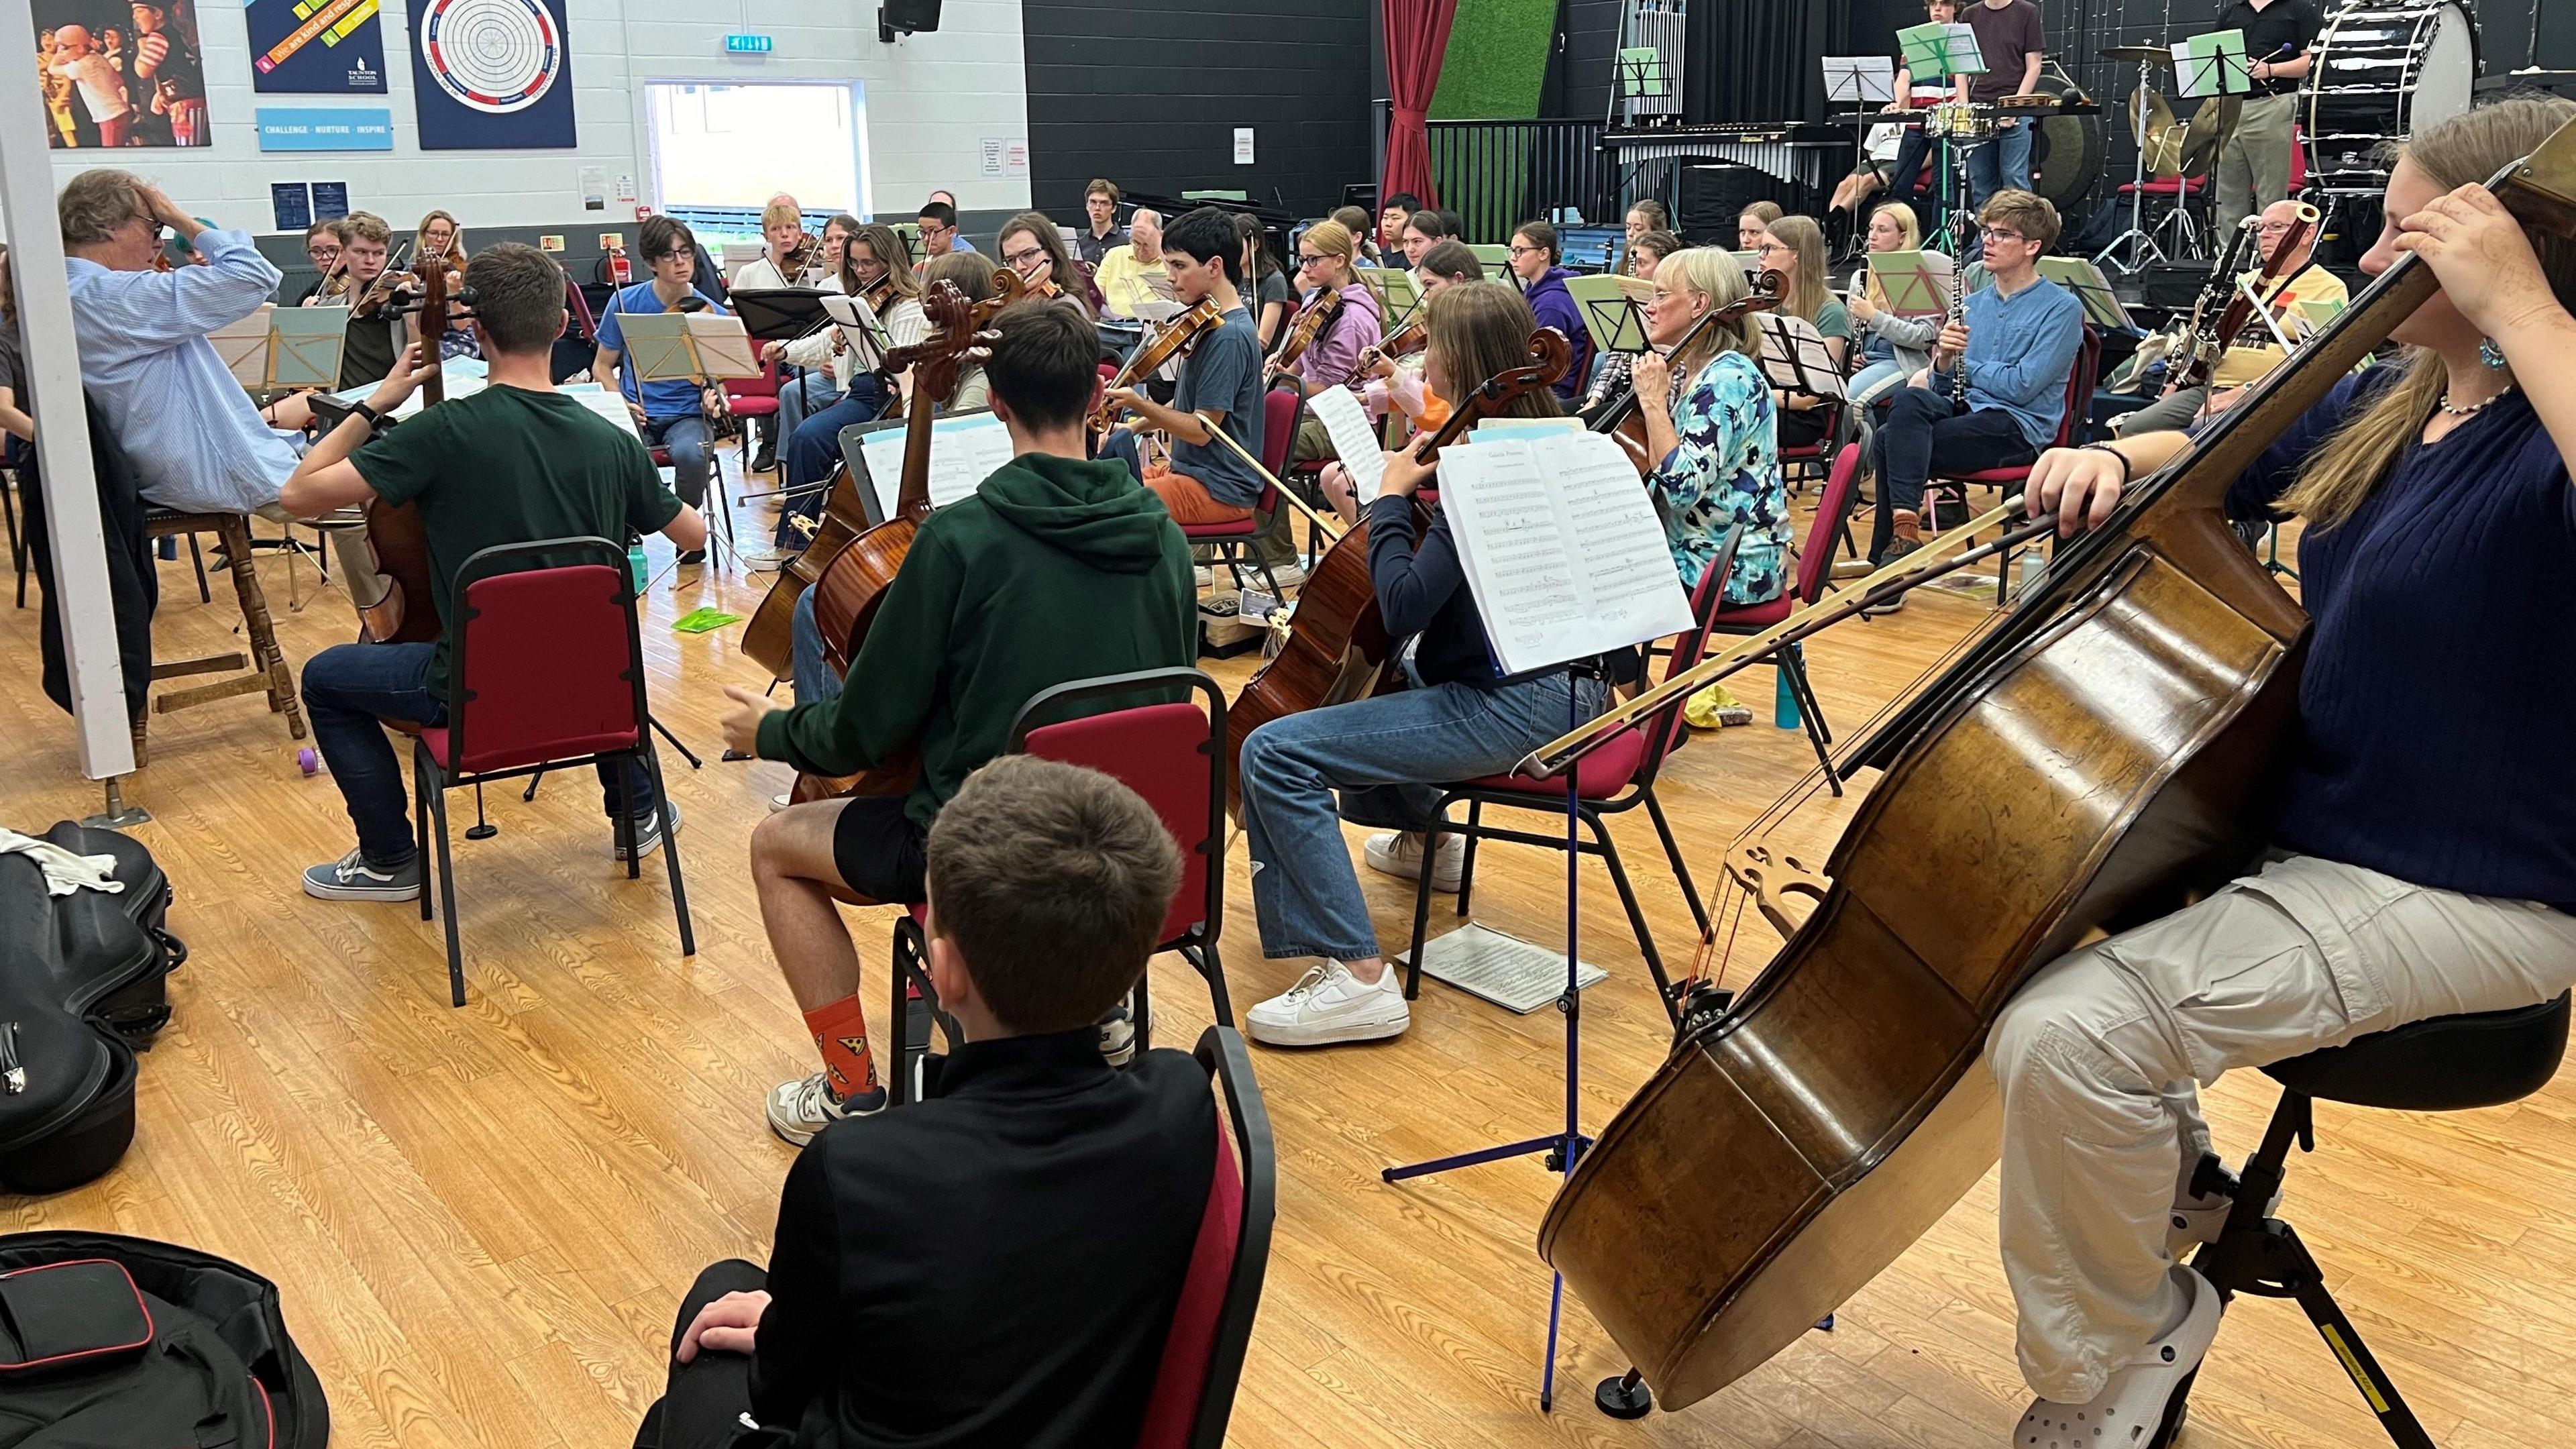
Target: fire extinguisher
{"points": [[619, 272]]}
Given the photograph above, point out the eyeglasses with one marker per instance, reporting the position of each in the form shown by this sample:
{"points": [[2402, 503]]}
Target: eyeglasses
{"points": [[1311, 259], [1025, 259], [1768, 247], [2000, 234], [1521, 251]]}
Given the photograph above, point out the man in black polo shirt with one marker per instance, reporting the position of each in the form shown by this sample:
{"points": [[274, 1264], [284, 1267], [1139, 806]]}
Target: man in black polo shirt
{"points": [[998, 1264], [2254, 169]]}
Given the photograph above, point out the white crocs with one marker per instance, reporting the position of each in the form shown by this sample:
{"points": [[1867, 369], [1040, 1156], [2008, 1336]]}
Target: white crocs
{"points": [[2136, 1409]]}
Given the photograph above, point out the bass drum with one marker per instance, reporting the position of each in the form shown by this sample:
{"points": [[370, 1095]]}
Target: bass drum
{"points": [[2383, 72], [2066, 152]]}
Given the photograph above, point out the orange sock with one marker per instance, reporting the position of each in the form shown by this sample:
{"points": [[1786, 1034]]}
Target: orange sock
{"points": [[841, 1035]]}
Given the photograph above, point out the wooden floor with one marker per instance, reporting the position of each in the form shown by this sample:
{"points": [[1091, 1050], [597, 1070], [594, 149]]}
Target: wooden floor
{"points": [[482, 1219]]}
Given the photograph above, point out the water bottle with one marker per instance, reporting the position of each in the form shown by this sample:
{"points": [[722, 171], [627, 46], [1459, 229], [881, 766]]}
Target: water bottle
{"points": [[1784, 699], [635, 565]]}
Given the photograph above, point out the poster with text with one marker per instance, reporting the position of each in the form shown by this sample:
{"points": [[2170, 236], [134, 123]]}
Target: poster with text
{"points": [[115, 73], [491, 75], [316, 47]]}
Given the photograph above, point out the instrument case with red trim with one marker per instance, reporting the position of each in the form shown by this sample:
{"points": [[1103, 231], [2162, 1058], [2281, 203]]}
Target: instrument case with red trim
{"points": [[82, 987], [110, 1342]]}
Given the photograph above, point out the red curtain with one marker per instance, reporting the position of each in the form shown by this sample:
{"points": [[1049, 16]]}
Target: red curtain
{"points": [[1417, 36]]}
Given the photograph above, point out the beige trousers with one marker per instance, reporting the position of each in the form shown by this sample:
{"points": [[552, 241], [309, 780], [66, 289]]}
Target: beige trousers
{"points": [[2254, 169], [2101, 1054]]}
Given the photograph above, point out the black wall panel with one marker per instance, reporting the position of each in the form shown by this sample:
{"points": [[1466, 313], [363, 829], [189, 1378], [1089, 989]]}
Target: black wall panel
{"points": [[1149, 95]]}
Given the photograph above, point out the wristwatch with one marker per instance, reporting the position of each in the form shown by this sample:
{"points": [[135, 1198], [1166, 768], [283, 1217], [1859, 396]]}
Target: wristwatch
{"points": [[374, 419]]}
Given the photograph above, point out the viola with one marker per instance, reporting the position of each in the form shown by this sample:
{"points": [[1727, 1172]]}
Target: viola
{"points": [[849, 590], [1338, 647], [1796, 1141], [1309, 326], [396, 538], [1173, 340], [1623, 420]]}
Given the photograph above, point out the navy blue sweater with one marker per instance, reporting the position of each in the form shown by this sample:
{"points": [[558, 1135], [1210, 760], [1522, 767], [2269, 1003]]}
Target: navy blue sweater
{"points": [[1421, 589], [2441, 679]]}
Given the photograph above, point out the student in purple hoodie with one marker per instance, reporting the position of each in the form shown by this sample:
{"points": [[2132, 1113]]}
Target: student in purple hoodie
{"points": [[1534, 254]]}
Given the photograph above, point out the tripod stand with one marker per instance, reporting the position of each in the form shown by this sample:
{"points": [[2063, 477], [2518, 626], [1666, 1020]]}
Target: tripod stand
{"points": [[2142, 246], [1565, 1147]]}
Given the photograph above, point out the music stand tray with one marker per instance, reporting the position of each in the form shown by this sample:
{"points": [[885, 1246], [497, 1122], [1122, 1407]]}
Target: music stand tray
{"points": [[780, 314]]}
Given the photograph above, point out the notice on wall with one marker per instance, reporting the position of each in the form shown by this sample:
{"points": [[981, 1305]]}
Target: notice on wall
{"points": [[594, 188], [1003, 156], [291, 202], [325, 128], [626, 186], [1243, 145], [330, 199]]}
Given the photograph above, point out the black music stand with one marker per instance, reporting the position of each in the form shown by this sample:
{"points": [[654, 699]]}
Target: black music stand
{"points": [[780, 314]]}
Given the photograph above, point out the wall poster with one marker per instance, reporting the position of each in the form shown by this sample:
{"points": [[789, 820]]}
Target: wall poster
{"points": [[115, 73], [491, 74], [316, 47]]}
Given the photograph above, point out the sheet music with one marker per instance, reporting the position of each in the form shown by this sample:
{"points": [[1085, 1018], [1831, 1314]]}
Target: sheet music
{"points": [[1795, 358], [1354, 441], [964, 451], [724, 348], [861, 328], [600, 400], [1561, 547], [1860, 79], [1915, 283]]}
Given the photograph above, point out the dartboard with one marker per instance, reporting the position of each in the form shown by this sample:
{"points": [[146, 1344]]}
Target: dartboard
{"points": [[494, 55]]}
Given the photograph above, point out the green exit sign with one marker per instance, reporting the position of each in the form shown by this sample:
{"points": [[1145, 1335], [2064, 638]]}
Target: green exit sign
{"points": [[747, 45]]}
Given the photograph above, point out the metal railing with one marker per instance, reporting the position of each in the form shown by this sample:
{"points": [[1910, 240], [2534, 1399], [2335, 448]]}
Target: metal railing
{"points": [[1498, 174]]}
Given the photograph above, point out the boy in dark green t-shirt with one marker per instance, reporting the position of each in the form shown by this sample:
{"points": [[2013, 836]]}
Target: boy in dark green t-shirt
{"points": [[515, 463], [1059, 568]]}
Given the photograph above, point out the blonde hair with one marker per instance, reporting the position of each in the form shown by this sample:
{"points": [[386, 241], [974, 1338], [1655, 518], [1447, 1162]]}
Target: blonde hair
{"points": [[1714, 274], [778, 212], [455, 235], [1906, 222], [1808, 290], [1765, 212], [1481, 329], [2465, 150], [1335, 240]]}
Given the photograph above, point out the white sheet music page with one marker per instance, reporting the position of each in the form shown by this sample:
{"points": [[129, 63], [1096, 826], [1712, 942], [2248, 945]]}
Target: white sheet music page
{"points": [[964, 451], [1562, 548], [1354, 441], [860, 326]]}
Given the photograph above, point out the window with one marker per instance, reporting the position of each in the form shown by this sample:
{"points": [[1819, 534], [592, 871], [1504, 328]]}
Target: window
{"points": [[727, 146]]}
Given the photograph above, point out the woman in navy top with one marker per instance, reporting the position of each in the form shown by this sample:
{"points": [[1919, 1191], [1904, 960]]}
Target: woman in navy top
{"points": [[2426, 840]]}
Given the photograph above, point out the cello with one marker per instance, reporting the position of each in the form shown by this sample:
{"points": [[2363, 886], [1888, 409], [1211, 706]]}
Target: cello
{"points": [[2102, 756], [1338, 648], [849, 589]]}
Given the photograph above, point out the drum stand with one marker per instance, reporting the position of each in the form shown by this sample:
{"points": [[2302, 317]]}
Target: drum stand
{"points": [[2142, 246], [1566, 1147]]}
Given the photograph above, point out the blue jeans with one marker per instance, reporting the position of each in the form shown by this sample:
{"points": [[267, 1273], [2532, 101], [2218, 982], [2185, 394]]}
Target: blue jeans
{"points": [[349, 691], [811, 672], [2000, 163], [799, 396], [686, 438], [1121, 444], [1388, 756], [812, 449]]}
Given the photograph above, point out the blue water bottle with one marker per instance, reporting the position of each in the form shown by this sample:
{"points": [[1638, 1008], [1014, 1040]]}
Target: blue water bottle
{"points": [[1784, 699], [635, 566]]}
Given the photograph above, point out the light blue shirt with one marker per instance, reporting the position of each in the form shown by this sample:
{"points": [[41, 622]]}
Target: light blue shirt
{"points": [[2021, 350], [178, 412]]}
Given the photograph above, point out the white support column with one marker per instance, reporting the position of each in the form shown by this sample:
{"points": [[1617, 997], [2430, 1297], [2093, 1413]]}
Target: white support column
{"points": [[62, 428]]}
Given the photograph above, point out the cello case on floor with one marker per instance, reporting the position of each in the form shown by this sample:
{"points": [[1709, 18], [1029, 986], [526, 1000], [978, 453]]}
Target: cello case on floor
{"points": [[82, 987], [110, 1342]]}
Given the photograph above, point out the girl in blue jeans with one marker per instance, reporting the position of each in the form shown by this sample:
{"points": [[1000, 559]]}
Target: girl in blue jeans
{"points": [[1387, 757]]}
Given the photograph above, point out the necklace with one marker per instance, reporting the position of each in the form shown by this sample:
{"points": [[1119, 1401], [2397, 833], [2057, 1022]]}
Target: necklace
{"points": [[2451, 410]]}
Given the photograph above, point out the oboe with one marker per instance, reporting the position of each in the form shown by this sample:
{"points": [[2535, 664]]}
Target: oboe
{"points": [[1958, 317]]}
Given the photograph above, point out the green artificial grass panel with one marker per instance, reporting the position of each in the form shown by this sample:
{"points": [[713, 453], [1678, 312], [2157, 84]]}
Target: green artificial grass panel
{"points": [[1497, 61]]}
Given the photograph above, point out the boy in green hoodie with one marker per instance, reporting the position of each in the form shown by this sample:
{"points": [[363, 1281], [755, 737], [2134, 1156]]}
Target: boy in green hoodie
{"points": [[1057, 569]]}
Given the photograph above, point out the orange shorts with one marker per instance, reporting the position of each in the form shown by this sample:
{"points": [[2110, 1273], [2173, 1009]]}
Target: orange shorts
{"points": [[1187, 500]]}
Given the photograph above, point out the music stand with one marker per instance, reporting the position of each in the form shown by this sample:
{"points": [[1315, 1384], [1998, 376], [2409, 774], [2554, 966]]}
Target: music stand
{"points": [[1858, 81], [2213, 65], [1916, 284], [1403, 297], [781, 314], [1948, 52], [276, 349], [2102, 305], [701, 348], [1611, 307]]}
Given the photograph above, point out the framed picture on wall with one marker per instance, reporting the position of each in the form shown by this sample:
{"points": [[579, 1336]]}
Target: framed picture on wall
{"points": [[491, 75], [120, 73]]}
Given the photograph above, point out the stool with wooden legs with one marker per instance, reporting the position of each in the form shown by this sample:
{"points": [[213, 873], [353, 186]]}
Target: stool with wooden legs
{"points": [[264, 669]]}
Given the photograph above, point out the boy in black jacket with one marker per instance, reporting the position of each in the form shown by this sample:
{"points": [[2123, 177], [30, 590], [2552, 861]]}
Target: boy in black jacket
{"points": [[997, 1265]]}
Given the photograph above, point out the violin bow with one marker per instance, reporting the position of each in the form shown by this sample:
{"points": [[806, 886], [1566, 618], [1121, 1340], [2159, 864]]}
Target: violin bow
{"points": [[1331, 525]]}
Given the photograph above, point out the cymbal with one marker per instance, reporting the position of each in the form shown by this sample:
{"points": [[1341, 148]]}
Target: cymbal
{"points": [[2149, 54]]}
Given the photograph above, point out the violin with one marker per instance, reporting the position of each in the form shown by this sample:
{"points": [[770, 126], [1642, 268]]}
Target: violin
{"points": [[1800, 1138], [1309, 326], [1338, 647], [1173, 340], [381, 290], [2207, 347], [1404, 341], [1623, 420], [849, 588], [396, 538]]}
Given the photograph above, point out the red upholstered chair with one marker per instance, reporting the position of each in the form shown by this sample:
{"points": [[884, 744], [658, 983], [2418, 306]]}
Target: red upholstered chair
{"points": [[2079, 397], [1234, 542], [1212, 1324], [548, 671], [1615, 778], [754, 397], [1173, 754], [1815, 570]]}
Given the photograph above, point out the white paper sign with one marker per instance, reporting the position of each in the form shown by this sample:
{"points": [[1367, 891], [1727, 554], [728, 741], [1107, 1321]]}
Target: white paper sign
{"points": [[992, 149], [1243, 145]]}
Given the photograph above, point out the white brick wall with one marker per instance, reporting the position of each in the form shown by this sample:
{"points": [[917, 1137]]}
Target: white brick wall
{"points": [[931, 100]]}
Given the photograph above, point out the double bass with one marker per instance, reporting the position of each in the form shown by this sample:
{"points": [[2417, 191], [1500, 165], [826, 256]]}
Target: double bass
{"points": [[1338, 647], [2105, 754], [849, 589]]}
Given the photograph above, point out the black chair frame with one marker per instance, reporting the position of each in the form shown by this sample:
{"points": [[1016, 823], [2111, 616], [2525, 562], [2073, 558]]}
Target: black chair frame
{"points": [[431, 781]]}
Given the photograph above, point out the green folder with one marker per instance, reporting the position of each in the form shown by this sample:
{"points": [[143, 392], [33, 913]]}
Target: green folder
{"points": [[2213, 65], [1934, 49], [1612, 308], [1914, 286]]}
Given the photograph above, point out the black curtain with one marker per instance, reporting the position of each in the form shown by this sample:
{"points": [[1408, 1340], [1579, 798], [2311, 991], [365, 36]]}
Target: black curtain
{"points": [[1755, 60]]}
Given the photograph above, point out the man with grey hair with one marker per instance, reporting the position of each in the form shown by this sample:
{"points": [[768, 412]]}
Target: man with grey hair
{"points": [[2252, 353], [177, 411], [1133, 274]]}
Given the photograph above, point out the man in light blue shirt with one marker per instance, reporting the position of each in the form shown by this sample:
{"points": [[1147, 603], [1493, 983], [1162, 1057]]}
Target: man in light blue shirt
{"points": [[2015, 350], [191, 430]]}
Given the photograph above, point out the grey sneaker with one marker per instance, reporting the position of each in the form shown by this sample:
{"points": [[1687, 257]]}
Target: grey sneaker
{"points": [[648, 830], [799, 1109], [1118, 1033], [350, 878]]}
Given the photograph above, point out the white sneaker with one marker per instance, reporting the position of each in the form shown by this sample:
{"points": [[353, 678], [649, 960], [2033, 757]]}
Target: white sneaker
{"points": [[1328, 1006], [1399, 854], [2203, 1219], [2137, 1407], [1204, 578], [799, 1109], [1286, 575]]}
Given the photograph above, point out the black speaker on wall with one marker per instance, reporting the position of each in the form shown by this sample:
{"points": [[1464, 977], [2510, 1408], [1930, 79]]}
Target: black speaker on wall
{"points": [[905, 17]]}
